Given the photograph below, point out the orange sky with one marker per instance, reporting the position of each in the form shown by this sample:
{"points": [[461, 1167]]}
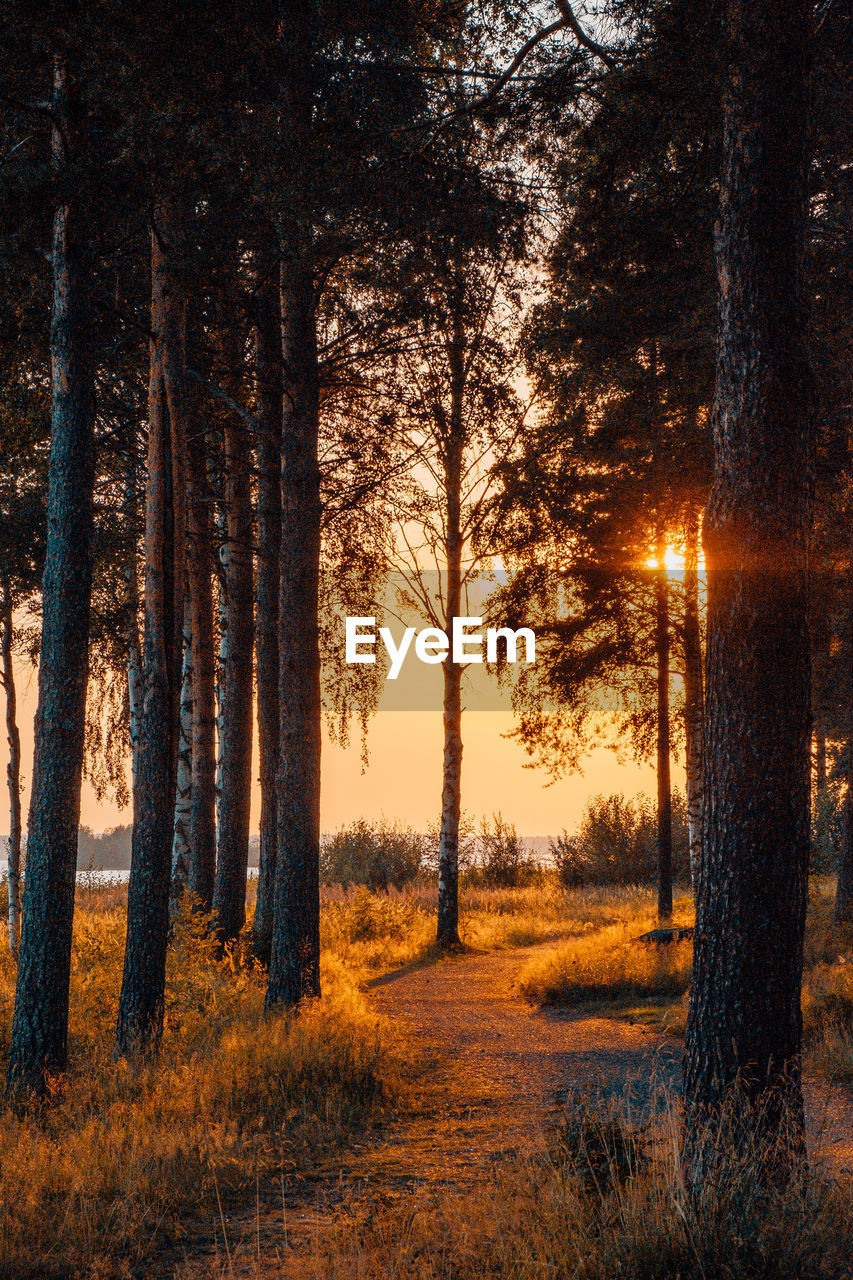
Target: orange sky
{"points": [[403, 780]]}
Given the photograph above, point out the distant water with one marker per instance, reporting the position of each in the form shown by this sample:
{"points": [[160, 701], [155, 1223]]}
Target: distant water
{"points": [[108, 875]]}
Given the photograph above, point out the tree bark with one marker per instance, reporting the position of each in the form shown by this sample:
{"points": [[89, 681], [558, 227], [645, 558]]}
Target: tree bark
{"points": [[203, 802], [268, 411], [694, 698], [184, 776], [844, 887], [229, 890], [13, 768], [452, 433], [744, 1032], [131, 602], [294, 972], [140, 1016], [664, 807], [40, 1025]]}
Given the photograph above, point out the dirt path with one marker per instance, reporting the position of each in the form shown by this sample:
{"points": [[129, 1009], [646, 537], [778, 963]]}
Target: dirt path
{"points": [[492, 1077]]}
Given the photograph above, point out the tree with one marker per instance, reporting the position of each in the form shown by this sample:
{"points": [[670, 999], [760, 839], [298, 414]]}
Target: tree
{"points": [[744, 1030], [141, 1005], [40, 1024]]}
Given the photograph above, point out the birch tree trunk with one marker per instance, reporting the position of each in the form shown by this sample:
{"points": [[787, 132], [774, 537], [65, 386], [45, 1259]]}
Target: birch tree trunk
{"points": [[229, 890], [140, 1016], [268, 411], [40, 1026], [203, 803], [294, 972], [451, 786], [694, 700], [13, 768], [744, 1031], [664, 806]]}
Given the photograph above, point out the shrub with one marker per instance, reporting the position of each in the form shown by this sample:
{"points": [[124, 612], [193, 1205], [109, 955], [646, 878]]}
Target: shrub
{"points": [[616, 842], [503, 862], [376, 857]]}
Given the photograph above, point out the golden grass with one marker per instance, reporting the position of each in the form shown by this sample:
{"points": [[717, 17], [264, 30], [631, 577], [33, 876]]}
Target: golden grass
{"points": [[607, 1200], [123, 1154]]}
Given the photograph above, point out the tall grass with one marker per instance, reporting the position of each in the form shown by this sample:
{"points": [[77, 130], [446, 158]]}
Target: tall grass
{"points": [[607, 1200], [123, 1154]]}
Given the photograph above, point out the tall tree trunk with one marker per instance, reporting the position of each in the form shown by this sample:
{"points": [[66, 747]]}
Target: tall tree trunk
{"points": [[140, 1014], [744, 1027], [40, 1025], [268, 411], [664, 808], [184, 776], [13, 768], [844, 887], [131, 604], [229, 890], [294, 972], [452, 430], [819, 749], [203, 802], [694, 698]]}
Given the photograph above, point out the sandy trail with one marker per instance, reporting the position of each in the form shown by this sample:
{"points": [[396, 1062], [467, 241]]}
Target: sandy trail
{"points": [[493, 1075]]}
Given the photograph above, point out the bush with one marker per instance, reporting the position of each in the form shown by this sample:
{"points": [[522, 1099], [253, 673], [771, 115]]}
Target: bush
{"points": [[503, 862], [616, 842], [376, 857]]}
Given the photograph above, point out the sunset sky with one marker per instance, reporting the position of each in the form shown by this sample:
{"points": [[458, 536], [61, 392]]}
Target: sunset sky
{"points": [[403, 780]]}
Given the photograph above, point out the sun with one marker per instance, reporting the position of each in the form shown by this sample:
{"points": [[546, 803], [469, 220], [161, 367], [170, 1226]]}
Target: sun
{"points": [[673, 559]]}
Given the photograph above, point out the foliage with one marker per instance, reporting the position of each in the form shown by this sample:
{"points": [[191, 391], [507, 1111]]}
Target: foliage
{"points": [[377, 857], [503, 863], [616, 842]]}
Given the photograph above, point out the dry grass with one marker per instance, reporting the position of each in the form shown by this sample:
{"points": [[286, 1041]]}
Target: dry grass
{"points": [[122, 1155], [608, 1200]]}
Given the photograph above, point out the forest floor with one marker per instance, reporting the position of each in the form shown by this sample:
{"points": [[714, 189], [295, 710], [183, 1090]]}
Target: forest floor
{"points": [[491, 1079]]}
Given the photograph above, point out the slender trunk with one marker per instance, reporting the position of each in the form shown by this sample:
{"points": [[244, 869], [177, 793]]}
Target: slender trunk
{"points": [[694, 699], [744, 1031], [294, 972], [268, 411], [131, 604], [140, 1015], [664, 811], [229, 890], [40, 1025], [203, 803], [13, 769], [819, 750], [844, 888], [183, 785], [451, 431]]}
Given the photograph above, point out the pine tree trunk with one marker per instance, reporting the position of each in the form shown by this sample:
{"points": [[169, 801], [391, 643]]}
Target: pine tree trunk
{"points": [[13, 768], [294, 972], [694, 699], [844, 887], [140, 1015], [229, 890], [40, 1025], [745, 1026], [203, 803], [664, 807], [268, 411], [183, 785], [131, 602]]}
